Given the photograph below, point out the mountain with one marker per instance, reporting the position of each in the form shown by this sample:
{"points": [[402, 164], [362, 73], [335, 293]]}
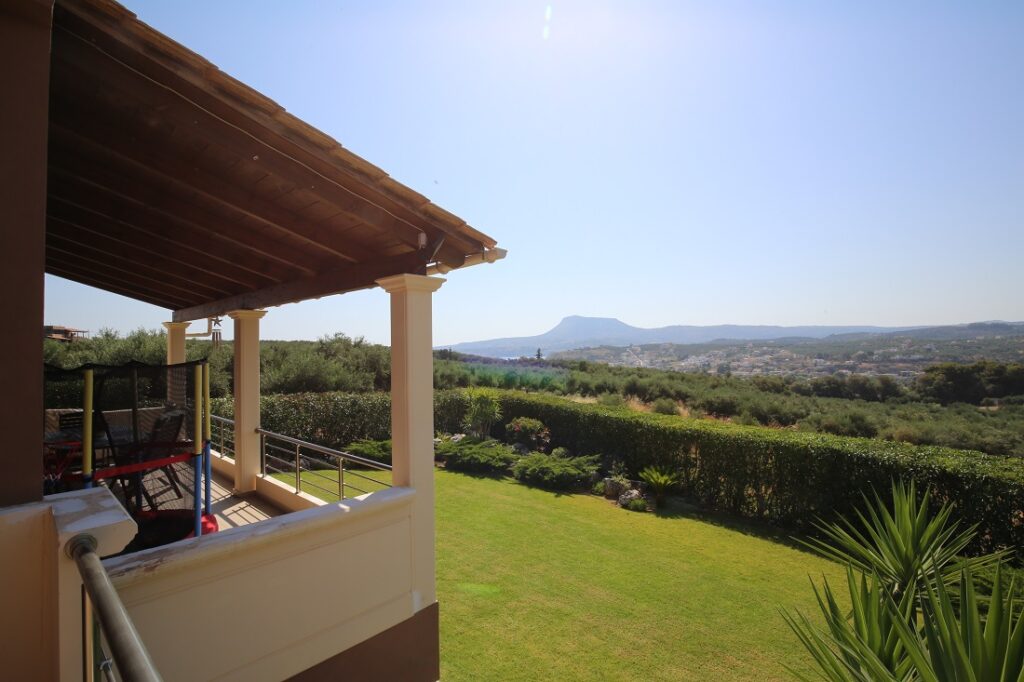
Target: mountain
{"points": [[585, 332]]}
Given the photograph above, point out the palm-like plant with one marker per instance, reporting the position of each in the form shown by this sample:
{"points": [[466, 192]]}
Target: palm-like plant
{"points": [[907, 546], [862, 644], [903, 624], [660, 481], [964, 647]]}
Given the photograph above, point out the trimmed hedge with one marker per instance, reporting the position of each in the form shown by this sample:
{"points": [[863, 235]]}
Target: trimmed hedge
{"points": [[488, 457], [784, 476], [777, 475], [555, 473]]}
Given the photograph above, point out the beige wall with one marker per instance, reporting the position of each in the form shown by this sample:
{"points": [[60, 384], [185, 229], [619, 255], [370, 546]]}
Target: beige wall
{"points": [[272, 599], [28, 622]]}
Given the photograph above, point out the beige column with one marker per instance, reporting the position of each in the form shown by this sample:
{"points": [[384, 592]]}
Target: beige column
{"points": [[247, 397], [176, 341], [412, 416]]}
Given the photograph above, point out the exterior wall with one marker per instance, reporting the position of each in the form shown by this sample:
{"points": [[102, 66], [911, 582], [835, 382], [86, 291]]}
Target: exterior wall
{"points": [[28, 627], [270, 600], [409, 651], [25, 42]]}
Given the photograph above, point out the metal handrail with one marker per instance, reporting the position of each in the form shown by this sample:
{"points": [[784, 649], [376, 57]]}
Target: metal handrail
{"points": [[268, 461], [327, 451], [223, 446], [130, 654]]}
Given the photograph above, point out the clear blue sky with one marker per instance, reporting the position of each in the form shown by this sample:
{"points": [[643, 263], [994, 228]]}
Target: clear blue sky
{"points": [[660, 162]]}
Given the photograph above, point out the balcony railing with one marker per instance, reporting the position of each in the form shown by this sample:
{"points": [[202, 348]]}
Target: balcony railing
{"points": [[130, 661], [324, 469], [223, 436]]}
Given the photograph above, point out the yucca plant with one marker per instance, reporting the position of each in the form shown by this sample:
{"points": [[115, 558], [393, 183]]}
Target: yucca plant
{"points": [[861, 644], [965, 646], [903, 625], [907, 546], [660, 481]]}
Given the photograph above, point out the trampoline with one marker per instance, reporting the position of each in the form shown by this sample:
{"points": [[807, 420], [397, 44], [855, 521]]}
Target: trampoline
{"points": [[143, 431]]}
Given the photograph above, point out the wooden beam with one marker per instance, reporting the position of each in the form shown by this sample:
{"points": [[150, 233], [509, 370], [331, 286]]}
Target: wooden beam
{"points": [[66, 237], [117, 142], [61, 251], [339, 280], [63, 266], [172, 215], [87, 229], [133, 223], [175, 98], [150, 187]]}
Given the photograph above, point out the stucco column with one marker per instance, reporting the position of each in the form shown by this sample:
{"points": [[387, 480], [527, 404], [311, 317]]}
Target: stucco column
{"points": [[412, 416], [176, 341], [247, 397]]}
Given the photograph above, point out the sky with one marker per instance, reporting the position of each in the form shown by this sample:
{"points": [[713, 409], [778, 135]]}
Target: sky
{"points": [[658, 162]]}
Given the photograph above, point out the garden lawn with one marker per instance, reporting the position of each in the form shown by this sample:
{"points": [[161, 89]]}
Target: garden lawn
{"points": [[535, 585], [324, 484]]}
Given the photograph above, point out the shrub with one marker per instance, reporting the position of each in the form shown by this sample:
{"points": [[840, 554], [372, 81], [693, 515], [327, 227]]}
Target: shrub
{"points": [[561, 452], [665, 406], [489, 456], [611, 400], [785, 476], [529, 432], [377, 450], [598, 488], [555, 473], [638, 505], [481, 414]]}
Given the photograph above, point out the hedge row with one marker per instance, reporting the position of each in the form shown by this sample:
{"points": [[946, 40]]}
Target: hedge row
{"points": [[777, 475], [783, 476]]}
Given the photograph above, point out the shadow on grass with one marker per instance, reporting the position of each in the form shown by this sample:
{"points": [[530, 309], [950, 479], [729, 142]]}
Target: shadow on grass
{"points": [[681, 508]]}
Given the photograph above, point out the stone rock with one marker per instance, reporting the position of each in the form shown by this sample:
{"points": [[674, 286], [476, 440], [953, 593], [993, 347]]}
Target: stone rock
{"points": [[521, 449], [628, 496], [614, 487]]}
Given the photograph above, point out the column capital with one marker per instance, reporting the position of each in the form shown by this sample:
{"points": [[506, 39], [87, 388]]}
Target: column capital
{"points": [[247, 314], [176, 325], [397, 284]]}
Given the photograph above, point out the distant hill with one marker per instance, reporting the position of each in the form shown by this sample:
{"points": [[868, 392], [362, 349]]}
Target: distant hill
{"points": [[584, 332]]}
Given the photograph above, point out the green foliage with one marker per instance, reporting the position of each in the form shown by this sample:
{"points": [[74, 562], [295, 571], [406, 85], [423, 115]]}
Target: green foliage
{"points": [[611, 400], [951, 382], [903, 624], [637, 505], [481, 414], [660, 479], [781, 476], [907, 546], [785, 476], [598, 488], [665, 406], [469, 455], [529, 432], [555, 473], [377, 450]]}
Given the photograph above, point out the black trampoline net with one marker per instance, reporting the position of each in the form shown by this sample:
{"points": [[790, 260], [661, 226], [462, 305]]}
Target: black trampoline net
{"points": [[143, 432]]}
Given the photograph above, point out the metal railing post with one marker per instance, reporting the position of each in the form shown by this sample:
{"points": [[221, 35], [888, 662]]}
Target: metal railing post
{"points": [[298, 471], [341, 479], [263, 454], [129, 652]]}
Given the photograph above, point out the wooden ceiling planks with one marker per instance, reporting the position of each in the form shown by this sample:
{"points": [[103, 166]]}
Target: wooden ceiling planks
{"points": [[179, 186]]}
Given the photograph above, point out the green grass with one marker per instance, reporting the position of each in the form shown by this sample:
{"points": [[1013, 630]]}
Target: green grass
{"points": [[324, 484], [534, 585]]}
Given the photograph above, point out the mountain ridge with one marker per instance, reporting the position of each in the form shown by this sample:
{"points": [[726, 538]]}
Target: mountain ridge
{"points": [[578, 331]]}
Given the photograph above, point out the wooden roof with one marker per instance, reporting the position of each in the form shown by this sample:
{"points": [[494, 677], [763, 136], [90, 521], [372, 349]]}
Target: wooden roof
{"points": [[172, 183]]}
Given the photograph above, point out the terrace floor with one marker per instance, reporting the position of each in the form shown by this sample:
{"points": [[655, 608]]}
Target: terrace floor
{"points": [[231, 509]]}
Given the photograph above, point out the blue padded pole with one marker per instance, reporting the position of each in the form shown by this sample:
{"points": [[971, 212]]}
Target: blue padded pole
{"points": [[197, 452], [209, 473]]}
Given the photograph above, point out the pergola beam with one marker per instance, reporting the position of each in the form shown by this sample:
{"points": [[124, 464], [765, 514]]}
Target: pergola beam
{"points": [[336, 281], [175, 98], [121, 145]]}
